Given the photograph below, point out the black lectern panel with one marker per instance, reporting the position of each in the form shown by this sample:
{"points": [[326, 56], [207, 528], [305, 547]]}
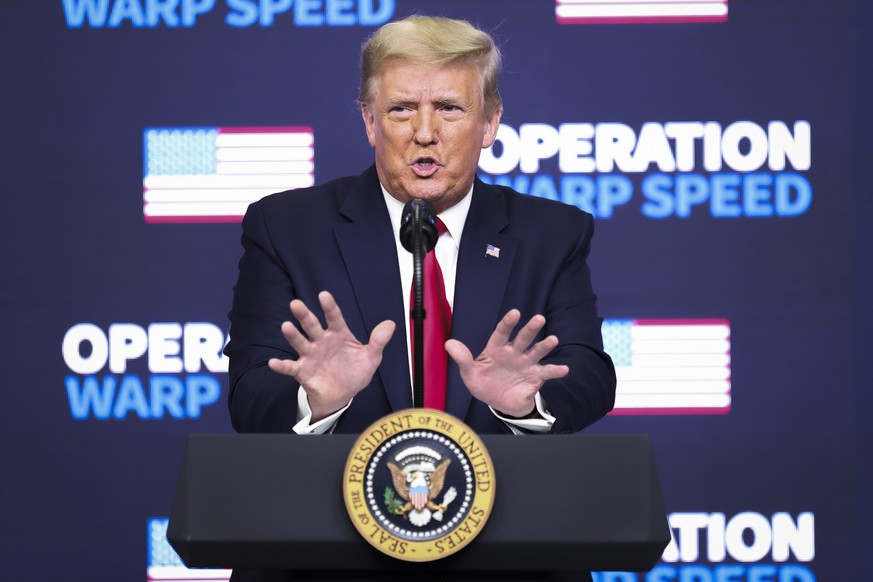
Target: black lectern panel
{"points": [[561, 503]]}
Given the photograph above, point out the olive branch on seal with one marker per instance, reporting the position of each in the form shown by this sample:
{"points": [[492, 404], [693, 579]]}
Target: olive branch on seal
{"points": [[392, 503]]}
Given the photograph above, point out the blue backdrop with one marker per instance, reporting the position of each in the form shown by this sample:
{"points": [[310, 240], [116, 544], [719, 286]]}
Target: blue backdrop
{"points": [[726, 158]]}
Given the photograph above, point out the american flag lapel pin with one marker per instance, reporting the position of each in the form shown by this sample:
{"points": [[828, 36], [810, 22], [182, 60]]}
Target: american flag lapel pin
{"points": [[492, 251]]}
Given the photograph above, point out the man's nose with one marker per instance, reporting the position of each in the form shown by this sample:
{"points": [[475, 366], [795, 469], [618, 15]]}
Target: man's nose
{"points": [[426, 125]]}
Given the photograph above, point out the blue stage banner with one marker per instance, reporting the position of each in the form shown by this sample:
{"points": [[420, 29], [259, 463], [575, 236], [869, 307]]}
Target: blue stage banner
{"points": [[722, 147]]}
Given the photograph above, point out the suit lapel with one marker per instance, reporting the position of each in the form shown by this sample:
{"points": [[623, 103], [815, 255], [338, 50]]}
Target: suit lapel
{"points": [[369, 252], [480, 283]]}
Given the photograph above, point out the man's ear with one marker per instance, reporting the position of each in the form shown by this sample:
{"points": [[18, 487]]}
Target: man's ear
{"points": [[369, 123], [491, 126]]}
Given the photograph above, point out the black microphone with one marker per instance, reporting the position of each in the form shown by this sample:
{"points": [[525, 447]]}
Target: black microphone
{"points": [[418, 235], [418, 212]]}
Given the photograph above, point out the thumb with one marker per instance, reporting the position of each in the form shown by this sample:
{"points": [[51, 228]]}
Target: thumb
{"points": [[381, 334], [459, 353]]}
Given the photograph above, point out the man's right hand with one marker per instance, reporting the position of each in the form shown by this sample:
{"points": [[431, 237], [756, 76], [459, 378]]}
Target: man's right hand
{"points": [[332, 365]]}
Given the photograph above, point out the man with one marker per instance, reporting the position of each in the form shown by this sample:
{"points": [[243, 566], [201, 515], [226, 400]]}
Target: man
{"points": [[430, 104]]}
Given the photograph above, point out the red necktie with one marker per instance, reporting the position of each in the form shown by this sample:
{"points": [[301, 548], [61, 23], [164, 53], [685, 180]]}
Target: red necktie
{"points": [[437, 326]]}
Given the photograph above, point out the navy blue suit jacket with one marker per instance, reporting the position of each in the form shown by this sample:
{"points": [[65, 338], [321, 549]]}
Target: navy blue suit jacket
{"points": [[338, 237]]}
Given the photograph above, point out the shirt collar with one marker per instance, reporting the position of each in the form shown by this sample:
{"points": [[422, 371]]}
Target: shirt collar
{"points": [[454, 217]]}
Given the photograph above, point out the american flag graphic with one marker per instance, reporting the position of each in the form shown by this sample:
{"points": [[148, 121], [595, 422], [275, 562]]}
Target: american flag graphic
{"points": [[639, 11], [164, 564], [670, 366], [212, 174]]}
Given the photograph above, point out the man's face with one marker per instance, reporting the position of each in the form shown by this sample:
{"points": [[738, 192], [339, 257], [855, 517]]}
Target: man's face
{"points": [[428, 127]]}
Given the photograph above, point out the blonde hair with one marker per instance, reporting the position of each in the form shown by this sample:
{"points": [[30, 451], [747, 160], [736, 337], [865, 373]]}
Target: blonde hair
{"points": [[432, 40]]}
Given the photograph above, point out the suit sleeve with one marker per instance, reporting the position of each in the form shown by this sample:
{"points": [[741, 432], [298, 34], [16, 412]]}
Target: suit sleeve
{"points": [[259, 399], [587, 393]]}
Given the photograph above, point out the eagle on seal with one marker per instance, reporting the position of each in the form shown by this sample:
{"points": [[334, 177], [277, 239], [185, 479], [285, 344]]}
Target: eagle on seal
{"points": [[419, 489]]}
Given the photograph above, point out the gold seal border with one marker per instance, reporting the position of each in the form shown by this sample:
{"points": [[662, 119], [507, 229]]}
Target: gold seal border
{"points": [[354, 481]]}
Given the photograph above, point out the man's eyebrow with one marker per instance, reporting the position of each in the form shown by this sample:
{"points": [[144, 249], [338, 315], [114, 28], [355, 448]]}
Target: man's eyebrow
{"points": [[399, 101], [453, 100]]}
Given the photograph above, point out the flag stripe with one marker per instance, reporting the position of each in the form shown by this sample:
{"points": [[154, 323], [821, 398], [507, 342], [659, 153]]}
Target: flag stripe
{"points": [[267, 129], [181, 573], [272, 181], [681, 346], [637, 2], [606, 11], [681, 361], [169, 196], [645, 331], [688, 402], [642, 374], [264, 140], [258, 153], [268, 167], [674, 401], [651, 387], [183, 210], [603, 10]]}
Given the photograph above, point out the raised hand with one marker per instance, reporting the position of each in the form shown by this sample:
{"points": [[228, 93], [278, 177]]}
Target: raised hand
{"points": [[332, 365], [508, 374]]}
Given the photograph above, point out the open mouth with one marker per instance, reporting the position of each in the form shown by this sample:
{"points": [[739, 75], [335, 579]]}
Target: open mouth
{"points": [[424, 167]]}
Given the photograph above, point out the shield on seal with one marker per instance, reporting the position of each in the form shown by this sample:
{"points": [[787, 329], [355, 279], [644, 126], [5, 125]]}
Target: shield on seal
{"points": [[418, 492]]}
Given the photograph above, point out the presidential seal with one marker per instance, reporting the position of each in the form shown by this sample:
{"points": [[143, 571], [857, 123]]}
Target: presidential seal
{"points": [[419, 485]]}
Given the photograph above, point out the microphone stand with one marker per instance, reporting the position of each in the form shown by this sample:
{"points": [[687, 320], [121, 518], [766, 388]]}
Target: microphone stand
{"points": [[418, 235], [418, 311]]}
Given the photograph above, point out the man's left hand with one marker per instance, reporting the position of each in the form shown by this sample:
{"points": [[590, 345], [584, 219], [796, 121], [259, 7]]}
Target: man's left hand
{"points": [[508, 374]]}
